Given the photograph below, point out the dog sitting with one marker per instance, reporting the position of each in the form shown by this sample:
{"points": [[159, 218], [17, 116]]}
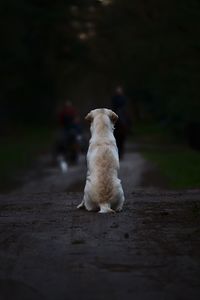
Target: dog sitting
{"points": [[103, 190]]}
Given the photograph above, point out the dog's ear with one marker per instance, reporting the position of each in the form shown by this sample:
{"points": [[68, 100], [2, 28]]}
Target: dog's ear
{"points": [[89, 117], [113, 116]]}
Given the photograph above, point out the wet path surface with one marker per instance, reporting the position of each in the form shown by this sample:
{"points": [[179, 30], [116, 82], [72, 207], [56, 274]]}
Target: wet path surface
{"points": [[50, 250]]}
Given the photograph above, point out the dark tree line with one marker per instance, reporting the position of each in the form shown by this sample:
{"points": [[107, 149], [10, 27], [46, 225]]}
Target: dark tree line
{"points": [[39, 50], [152, 47]]}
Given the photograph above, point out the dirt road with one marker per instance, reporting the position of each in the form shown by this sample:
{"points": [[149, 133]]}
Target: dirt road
{"points": [[50, 250]]}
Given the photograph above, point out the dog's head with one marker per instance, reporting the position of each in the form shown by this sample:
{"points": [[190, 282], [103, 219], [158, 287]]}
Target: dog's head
{"points": [[102, 112]]}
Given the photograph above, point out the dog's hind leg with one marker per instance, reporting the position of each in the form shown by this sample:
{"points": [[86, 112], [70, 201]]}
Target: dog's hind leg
{"points": [[120, 202], [90, 206], [119, 207]]}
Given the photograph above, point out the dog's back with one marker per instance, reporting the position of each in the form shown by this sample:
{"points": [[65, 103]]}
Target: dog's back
{"points": [[103, 188], [104, 173]]}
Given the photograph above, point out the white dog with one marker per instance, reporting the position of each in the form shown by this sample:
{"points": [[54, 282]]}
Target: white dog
{"points": [[103, 190]]}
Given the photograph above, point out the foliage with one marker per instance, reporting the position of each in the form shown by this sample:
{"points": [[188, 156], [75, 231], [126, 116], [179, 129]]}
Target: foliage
{"points": [[152, 47], [37, 47], [19, 153], [181, 166]]}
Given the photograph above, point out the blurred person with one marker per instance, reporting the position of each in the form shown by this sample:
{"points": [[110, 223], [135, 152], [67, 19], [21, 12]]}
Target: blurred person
{"points": [[67, 116], [69, 138], [119, 106]]}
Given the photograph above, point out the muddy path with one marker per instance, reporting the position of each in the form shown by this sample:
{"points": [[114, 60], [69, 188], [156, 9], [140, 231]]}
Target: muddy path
{"points": [[50, 250], [47, 177]]}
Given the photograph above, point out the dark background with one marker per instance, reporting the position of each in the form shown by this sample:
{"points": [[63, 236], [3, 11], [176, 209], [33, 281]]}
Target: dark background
{"points": [[78, 49], [53, 51]]}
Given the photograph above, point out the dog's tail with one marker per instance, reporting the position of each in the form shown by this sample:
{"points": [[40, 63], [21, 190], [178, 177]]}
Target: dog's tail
{"points": [[105, 208]]}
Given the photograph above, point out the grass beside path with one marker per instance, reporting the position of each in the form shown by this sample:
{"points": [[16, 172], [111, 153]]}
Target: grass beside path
{"points": [[180, 166], [178, 163], [18, 151]]}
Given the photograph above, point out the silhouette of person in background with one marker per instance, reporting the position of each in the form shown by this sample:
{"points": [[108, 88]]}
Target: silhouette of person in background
{"points": [[68, 142], [119, 106], [69, 118]]}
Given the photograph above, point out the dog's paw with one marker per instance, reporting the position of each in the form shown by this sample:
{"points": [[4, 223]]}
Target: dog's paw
{"points": [[81, 205], [119, 209], [102, 211]]}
